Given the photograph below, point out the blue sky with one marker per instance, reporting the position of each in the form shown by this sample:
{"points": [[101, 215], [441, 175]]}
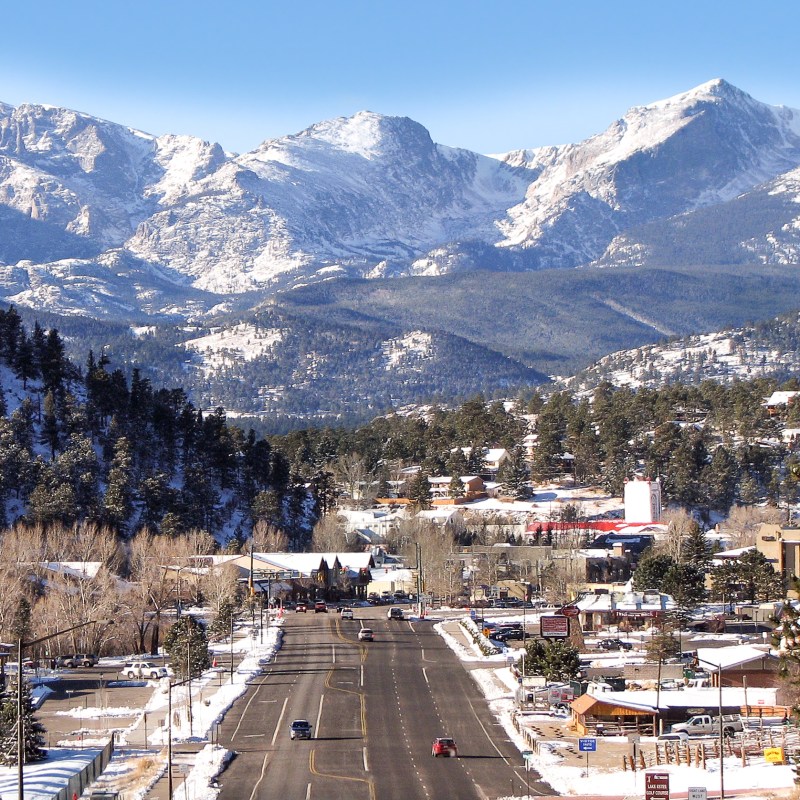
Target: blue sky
{"points": [[488, 76]]}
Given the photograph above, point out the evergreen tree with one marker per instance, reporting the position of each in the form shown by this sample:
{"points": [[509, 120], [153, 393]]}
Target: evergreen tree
{"points": [[662, 646], [118, 500], [419, 490], [651, 571], [694, 547], [222, 623], [556, 659], [186, 643], [750, 578], [32, 729], [514, 475], [685, 583]]}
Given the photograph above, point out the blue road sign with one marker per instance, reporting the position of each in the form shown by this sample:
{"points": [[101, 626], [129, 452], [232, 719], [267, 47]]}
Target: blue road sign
{"points": [[587, 745]]}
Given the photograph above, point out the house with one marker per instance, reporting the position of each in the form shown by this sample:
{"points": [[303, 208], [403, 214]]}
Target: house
{"points": [[779, 400], [472, 488], [494, 458], [654, 711], [445, 516], [741, 665], [379, 521]]}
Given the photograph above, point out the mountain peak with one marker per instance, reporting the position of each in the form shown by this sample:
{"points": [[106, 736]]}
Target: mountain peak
{"points": [[370, 134]]}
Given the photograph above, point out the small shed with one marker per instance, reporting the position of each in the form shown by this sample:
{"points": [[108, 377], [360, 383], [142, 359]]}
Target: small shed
{"points": [[596, 715]]}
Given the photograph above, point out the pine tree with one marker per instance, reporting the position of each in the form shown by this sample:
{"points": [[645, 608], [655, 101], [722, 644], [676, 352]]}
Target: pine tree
{"points": [[32, 730], [694, 547], [187, 644], [557, 660], [419, 490], [118, 500]]}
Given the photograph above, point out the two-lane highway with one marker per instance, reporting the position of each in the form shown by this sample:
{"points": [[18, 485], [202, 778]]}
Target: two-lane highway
{"points": [[376, 708]]}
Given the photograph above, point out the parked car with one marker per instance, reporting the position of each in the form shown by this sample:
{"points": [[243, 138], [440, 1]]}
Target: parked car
{"points": [[365, 635], [74, 660], [509, 634], [444, 746], [320, 607], [347, 613], [395, 613], [614, 644], [301, 607], [144, 669], [300, 729]]}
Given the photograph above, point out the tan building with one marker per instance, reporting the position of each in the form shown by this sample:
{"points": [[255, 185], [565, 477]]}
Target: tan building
{"points": [[780, 544]]}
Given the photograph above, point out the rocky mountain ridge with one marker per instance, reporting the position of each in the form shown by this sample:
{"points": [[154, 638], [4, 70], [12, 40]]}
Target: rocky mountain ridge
{"points": [[104, 220]]}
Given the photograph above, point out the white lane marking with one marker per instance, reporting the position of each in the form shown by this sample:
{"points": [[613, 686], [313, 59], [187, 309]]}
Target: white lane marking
{"points": [[425, 675], [319, 713], [253, 735], [241, 718], [280, 719], [366, 765], [333, 652], [361, 681], [308, 791]]}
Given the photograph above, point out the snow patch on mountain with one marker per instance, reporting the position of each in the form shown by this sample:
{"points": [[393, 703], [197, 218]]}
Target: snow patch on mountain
{"points": [[227, 346], [406, 351]]}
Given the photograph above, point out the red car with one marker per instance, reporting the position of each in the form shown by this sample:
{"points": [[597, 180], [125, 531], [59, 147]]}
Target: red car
{"points": [[320, 607], [300, 607], [444, 746]]}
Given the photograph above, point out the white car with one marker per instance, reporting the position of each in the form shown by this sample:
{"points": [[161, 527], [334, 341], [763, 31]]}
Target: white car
{"points": [[347, 613], [145, 669], [365, 635]]}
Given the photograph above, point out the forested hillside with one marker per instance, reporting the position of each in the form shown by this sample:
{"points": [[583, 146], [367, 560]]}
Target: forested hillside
{"points": [[88, 444]]}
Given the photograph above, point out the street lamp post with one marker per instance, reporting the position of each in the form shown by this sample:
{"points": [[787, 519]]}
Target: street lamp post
{"points": [[718, 667], [169, 730], [21, 646]]}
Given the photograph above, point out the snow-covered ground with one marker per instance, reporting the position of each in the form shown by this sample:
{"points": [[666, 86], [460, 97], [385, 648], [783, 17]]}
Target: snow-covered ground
{"points": [[496, 680]]}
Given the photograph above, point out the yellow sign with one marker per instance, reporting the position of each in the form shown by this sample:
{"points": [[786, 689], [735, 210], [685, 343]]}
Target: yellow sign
{"points": [[774, 755]]}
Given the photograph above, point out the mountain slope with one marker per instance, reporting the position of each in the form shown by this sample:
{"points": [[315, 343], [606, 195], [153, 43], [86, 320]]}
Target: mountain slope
{"points": [[697, 149]]}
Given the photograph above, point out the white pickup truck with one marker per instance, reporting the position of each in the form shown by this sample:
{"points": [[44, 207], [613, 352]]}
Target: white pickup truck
{"points": [[706, 725]]}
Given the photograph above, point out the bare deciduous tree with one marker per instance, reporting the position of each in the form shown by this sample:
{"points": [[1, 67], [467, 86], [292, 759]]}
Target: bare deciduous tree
{"points": [[269, 539], [679, 525], [741, 526], [357, 481], [329, 535]]}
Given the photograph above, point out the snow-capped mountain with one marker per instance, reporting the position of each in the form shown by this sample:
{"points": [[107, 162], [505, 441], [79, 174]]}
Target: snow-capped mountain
{"points": [[102, 220], [699, 149]]}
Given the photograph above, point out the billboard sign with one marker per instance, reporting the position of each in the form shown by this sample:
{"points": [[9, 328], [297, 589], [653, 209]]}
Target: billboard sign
{"points": [[554, 626]]}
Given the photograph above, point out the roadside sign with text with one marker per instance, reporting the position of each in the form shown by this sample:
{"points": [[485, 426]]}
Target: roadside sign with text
{"points": [[774, 755], [656, 786], [587, 745], [697, 793], [554, 626]]}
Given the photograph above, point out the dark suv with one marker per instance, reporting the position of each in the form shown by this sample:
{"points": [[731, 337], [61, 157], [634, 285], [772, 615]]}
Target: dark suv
{"points": [[74, 660], [614, 644], [509, 634]]}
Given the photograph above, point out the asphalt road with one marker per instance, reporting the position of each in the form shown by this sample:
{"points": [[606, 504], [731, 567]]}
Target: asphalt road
{"points": [[376, 708]]}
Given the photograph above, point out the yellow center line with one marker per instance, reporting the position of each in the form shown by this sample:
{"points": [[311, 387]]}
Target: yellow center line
{"points": [[312, 768]]}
